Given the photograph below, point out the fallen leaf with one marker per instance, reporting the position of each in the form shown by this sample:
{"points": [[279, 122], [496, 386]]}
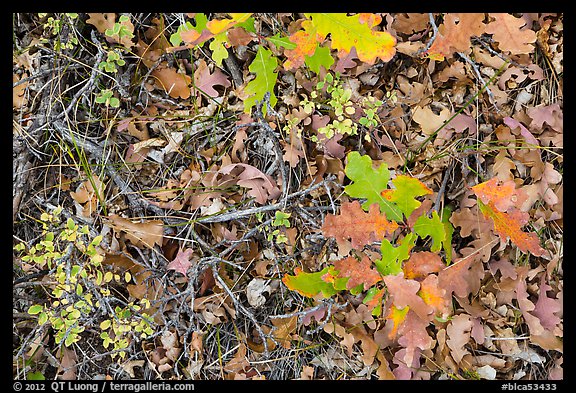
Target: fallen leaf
{"points": [[176, 84], [204, 81], [255, 292], [421, 264], [454, 34], [261, 186], [458, 332], [102, 21], [404, 293], [360, 227], [147, 233], [508, 31], [357, 272], [181, 263]]}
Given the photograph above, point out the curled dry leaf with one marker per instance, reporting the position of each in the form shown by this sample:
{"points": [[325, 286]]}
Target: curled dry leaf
{"points": [[147, 233], [176, 84], [87, 196], [261, 186]]}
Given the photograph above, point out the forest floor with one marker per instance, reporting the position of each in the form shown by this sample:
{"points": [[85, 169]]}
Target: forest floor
{"points": [[187, 189]]}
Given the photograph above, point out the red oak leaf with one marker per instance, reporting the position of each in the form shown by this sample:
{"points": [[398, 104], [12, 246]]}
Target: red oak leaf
{"points": [[181, 263]]}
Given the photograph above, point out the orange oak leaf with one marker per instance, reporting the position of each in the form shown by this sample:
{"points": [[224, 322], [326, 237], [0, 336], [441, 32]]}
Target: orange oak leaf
{"points": [[355, 224], [509, 225], [434, 296], [455, 33], [396, 316], [306, 43], [147, 233], [507, 30], [177, 85], [502, 193], [421, 264], [404, 293], [358, 272]]}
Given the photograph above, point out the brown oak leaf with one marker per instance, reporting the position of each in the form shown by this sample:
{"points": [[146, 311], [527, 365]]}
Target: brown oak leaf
{"points": [[355, 224], [507, 30], [462, 277], [359, 272], [458, 331], [454, 34], [176, 84], [261, 186]]}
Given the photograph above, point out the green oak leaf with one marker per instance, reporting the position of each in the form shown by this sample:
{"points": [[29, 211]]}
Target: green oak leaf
{"points": [[263, 66], [311, 284], [321, 57], [449, 229], [281, 41], [369, 183], [432, 227], [407, 189], [392, 257], [218, 47]]}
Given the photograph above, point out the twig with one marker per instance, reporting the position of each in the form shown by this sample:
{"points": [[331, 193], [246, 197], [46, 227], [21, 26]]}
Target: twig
{"points": [[434, 34], [479, 76], [442, 188], [232, 66]]}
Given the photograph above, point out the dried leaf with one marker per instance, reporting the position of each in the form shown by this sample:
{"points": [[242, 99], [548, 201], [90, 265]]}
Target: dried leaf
{"points": [[454, 34], [507, 30], [357, 272], [204, 81], [261, 186], [102, 21], [360, 227], [181, 263], [404, 293], [435, 297], [462, 277], [147, 233], [421, 264], [502, 194], [176, 84], [546, 308], [458, 331], [413, 336]]}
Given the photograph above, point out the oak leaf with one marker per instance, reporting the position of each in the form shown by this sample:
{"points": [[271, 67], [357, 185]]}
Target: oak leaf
{"points": [[433, 227], [404, 292], [413, 336], [369, 183], [261, 186], [311, 284], [462, 277], [458, 331], [508, 225], [358, 273], [405, 193], [263, 66], [177, 85], [546, 308], [435, 296], [360, 227], [396, 316], [454, 34], [392, 257], [102, 21], [181, 263], [421, 264], [204, 81], [347, 32], [507, 30], [502, 194], [147, 233]]}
